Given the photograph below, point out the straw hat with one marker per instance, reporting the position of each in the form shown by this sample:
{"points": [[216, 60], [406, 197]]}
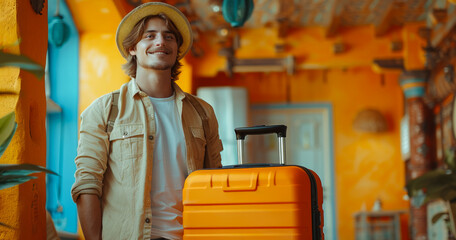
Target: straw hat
{"points": [[153, 8]]}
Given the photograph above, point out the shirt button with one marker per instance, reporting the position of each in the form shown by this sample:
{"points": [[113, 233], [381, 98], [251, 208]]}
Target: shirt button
{"points": [[151, 137], [147, 220]]}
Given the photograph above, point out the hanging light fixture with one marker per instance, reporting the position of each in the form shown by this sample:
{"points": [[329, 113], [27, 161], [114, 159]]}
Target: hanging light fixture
{"points": [[58, 30], [370, 120], [237, 12]]}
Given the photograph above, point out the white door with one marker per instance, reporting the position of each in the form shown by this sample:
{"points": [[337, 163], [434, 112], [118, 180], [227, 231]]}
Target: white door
{"points": [[309, 144]]}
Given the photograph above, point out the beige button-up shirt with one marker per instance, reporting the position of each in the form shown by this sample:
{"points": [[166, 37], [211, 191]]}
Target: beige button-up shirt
{"points": [[118, 166]]}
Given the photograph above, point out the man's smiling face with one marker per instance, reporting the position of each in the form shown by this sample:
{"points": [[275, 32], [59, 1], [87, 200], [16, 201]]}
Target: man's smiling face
{"points": [[157, 49]]}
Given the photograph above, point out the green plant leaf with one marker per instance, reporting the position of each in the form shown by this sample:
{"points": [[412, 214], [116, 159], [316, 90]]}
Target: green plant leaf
{"points": [[449, 158], [444, 192], [437, 184], [5, 143], [449, 193], [14, 174], [16, 43], [22, 169], [11, 181], [6, 126], [437, 216], [21, 61], [431, 180]]}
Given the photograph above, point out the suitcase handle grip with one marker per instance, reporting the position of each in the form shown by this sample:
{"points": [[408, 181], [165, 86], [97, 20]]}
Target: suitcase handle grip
{"points": [[229, 185], [280, 130]]}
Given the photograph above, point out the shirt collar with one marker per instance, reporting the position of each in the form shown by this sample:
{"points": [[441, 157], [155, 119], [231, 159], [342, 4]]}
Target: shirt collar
{"points": [[180, 95], [133, 89]]}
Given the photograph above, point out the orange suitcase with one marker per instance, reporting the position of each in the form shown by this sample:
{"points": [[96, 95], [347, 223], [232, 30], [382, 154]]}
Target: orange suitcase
{"points": [[247, 202]]}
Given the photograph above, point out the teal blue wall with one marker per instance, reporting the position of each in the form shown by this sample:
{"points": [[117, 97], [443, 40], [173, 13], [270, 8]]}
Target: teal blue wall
{"points": [[62, 127]]}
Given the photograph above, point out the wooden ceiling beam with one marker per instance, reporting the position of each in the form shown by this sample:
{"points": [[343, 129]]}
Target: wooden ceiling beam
{"points": [[332, 28], [384, 22], [283, 17], [441, 31], [333, 19]]}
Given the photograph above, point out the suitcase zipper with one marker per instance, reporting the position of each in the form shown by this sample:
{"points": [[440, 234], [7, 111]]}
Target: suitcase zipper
{"points": [[316, 217]]}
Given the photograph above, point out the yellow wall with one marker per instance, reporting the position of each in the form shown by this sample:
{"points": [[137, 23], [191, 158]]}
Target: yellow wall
{"points": [[24, 206], [367, 166], [100, 67]]}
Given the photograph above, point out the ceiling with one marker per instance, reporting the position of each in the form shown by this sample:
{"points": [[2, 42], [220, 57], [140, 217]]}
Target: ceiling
{"points": [[330, 14]]}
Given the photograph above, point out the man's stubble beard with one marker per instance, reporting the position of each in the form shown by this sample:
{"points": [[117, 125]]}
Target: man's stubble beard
{"points": [[157, 66], [160, 67]]}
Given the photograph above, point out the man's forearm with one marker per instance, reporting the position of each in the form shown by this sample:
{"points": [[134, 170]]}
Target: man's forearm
{"points": [[89, 211]]}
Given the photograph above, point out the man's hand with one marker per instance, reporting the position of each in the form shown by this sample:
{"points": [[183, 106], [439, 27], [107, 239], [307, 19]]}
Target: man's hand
{"points": [[89, 211]]}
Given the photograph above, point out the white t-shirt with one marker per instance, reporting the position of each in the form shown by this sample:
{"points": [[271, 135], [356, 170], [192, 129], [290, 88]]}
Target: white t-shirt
{"points": [[169, 170]]}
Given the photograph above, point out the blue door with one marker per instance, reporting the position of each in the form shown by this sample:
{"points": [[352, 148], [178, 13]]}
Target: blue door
{"points": [[62, 93]]}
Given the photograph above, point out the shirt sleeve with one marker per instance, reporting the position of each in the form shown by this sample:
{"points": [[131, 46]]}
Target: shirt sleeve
{"points": [[92, 153], [213, 143]]}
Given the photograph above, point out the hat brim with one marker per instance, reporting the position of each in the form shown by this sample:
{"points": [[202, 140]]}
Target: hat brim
{"points": [[154, 8]]}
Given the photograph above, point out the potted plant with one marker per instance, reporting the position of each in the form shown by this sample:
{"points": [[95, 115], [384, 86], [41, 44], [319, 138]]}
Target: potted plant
{"points": [[14, 174], [438, 184]]}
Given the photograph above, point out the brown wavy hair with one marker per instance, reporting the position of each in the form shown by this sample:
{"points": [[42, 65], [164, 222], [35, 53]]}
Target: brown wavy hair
{"points": [[135, 36]]}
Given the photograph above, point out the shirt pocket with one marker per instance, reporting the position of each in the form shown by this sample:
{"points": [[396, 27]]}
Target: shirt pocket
{"points": [[126, 146]]}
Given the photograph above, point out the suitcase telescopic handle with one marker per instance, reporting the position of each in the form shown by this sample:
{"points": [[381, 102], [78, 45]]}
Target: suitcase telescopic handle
{"points": [[241, 133]]}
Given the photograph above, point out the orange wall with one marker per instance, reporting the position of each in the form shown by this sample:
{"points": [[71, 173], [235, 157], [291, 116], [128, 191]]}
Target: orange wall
{"points": [[367, 166], [100, 61], [23, 206], [312, 50]]}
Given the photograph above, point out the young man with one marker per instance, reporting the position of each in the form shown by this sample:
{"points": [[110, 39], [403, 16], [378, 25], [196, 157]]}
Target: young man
{"points": [[129, 178]]}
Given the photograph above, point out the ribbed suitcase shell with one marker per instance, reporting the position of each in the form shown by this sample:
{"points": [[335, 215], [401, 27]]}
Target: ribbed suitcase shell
{"points": [[267, 203]]}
